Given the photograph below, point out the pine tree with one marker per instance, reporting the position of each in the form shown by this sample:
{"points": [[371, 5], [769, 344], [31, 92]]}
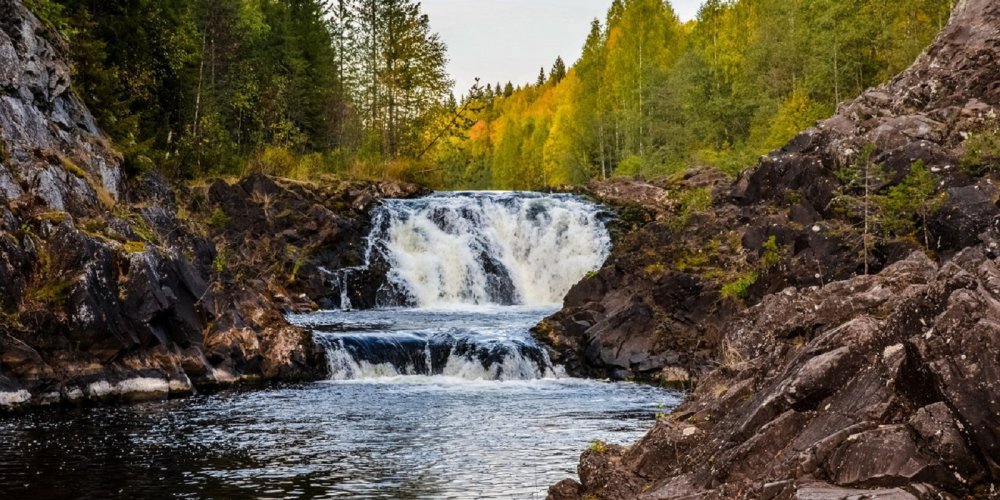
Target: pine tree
{"points": [[558, 71]]}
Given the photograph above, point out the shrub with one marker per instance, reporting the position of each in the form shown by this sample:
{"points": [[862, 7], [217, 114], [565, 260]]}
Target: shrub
{"points": [[982, 153], [599, 446]]}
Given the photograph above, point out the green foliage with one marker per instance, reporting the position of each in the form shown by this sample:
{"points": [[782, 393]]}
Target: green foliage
{"points": [[220, 262], [914, 198], [599, 446], [656, 270], [51, 13], [739, 289], [218, 219], [691, 202], [307, 88], [202, 87], [982, 152], [650, 96], [772, 253]]}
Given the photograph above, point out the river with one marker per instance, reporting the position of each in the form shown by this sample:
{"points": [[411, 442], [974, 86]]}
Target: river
{"points": [[441, 392]]}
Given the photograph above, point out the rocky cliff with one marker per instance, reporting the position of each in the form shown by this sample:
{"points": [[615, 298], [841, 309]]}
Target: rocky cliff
{"points": [[815, 379], [110, 288]]}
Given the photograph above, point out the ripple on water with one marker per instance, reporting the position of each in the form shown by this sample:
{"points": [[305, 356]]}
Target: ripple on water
{"points": [[392, 437], [419, 439]]}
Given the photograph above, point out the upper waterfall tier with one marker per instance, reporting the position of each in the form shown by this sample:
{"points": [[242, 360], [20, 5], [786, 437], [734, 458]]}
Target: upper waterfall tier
{"points": [[487, 248]]}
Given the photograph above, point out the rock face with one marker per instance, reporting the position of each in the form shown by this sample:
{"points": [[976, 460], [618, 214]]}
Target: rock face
{"points": [[302, 233], [870, 383], [822, 382], [109, 289]]}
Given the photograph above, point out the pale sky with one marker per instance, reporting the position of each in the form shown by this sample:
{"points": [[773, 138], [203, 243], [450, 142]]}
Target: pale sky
{"points": [[501, 40]]}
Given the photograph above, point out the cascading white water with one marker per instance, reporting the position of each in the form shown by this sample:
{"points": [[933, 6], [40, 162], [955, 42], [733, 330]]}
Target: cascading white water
{"points": [[475, 272], [488, 248]]}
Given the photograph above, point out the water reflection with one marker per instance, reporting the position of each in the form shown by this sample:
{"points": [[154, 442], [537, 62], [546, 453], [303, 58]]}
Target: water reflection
{"points": [[431, 439]]}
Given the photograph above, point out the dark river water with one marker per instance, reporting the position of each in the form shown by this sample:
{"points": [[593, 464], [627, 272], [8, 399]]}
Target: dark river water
{"points": [[487, 420]]}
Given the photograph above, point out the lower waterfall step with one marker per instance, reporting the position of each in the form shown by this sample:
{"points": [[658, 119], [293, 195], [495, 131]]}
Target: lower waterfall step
{"points": [[356, 357]]}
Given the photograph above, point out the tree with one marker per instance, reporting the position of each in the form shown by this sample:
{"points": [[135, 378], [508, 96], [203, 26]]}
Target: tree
{"points": [[541, 77], [404, 70], [558, 71], [914, 198], [860, 199]]}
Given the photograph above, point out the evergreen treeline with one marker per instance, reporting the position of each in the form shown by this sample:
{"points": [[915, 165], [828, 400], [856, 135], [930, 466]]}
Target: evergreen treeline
{"points": [[292, 87], [650, 95], [358, 87]]}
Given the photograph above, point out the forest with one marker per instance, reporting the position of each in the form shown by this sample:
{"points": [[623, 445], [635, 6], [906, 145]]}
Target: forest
{"points": [[359, 88]]}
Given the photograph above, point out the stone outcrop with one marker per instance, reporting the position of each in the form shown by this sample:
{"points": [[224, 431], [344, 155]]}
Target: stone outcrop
{"points": [[110, 288], [871, 383], [822, 382]]}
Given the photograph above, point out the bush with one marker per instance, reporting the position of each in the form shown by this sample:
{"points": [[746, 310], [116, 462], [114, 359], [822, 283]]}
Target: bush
{"points": [[982, 153], [599, 447]]}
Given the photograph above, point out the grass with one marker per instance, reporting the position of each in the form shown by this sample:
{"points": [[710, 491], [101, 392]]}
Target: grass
{"points": [[103, 196], [55, 218], [71, 167], [135, 247], [218, 219]]}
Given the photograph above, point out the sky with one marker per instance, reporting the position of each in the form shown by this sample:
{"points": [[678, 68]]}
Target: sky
{"points": [[501, 40]]}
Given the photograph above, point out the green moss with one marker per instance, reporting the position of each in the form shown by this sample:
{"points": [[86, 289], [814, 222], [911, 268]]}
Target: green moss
{"points": [[656, 270], [772, 253], [135, 247], [143, 230], [220, 261], [55, 292], [691, 261], [740, 288]]}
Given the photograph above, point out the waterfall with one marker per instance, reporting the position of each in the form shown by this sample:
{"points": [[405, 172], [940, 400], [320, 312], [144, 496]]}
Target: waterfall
{"points": [[466, 275], [487, 248]]}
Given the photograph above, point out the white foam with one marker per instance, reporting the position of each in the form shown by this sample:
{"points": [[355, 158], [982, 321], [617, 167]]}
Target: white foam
{"points": [[434, 246], [136, 385], [14, 398]]}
